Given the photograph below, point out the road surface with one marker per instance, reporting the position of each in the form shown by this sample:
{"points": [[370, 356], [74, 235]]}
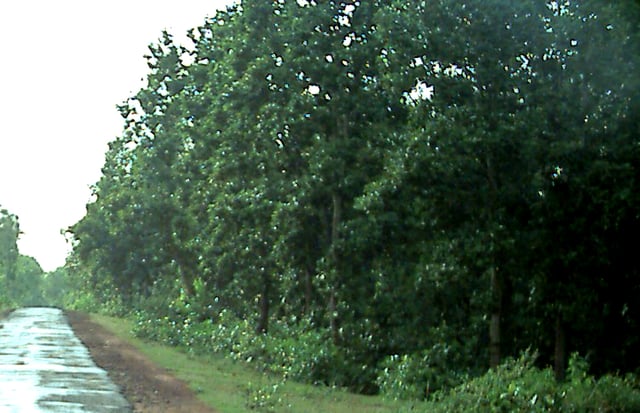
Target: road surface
{"points": [[45, 368]]}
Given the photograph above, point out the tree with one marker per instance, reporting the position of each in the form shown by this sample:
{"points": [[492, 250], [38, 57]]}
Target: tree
{"points": [[9, 233], [56, 287], [474, 161], [491, 115], [25, 289]]}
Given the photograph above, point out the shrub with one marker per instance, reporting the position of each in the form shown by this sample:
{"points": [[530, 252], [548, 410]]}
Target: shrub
{"points": [[301, 352], [609, 393], [416, 376], [518, 386], [296, 351]]}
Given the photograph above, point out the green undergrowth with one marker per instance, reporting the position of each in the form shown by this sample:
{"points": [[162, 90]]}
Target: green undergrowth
{"points": [[230, 386], [226, 381], [518, 386]]}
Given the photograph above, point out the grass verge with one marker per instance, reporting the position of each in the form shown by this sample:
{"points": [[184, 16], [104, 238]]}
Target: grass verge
{"points": [[231, 387]]}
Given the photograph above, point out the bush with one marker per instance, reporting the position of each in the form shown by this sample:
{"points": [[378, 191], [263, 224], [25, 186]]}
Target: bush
{"points": [[518, 386], [418, 375], [293, 351], [515, 386], [82, 301], [583, 393], [299, 350], [296, 351]]}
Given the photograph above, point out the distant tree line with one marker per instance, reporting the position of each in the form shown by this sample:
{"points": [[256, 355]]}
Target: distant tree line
{"points": [[22, 280]]}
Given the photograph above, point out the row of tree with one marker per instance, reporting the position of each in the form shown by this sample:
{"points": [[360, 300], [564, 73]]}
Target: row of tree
{"points": [[456, 179], [22, 280], [9, 232]]}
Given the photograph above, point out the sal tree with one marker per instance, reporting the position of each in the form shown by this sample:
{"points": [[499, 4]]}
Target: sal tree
{"points": [[9, 232], [505, 102], [432, 186]]}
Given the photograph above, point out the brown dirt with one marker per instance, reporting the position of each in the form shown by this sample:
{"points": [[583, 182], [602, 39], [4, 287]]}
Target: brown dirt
{"points": [[148, 387]]}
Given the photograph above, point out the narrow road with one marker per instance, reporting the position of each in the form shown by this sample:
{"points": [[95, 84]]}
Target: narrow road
{"points": [[44, 368]]}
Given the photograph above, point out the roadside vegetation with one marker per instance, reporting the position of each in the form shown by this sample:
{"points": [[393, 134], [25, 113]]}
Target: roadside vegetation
{"points": [[231, 386], [22, 280], [399, 198]]}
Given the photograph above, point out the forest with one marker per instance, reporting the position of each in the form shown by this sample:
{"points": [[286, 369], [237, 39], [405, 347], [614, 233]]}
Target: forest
{"points": [[389, 196], [22, 281]]}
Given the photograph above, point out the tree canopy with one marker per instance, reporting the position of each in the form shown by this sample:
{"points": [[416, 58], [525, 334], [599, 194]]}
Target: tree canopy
{"points": [[21, 277], [9, 232], [446, 183]]}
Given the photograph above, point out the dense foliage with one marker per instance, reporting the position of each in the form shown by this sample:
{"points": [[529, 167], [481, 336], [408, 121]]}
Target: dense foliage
{"points": [[518, 386], [22, 280], [9, 232], [380, 194]]}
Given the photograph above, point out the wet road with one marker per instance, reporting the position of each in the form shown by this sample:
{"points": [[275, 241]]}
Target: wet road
{"points": [[45, 368]]}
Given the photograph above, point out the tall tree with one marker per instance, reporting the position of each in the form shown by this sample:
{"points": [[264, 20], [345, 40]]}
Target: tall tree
{"points": [[9, 233], [476, 162]]}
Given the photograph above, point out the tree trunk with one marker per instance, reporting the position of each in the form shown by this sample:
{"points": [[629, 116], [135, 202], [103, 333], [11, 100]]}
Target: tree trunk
{"points": [[560, 355], [335, 238], [308, 291], [186, 275], [333, 314], [495, 321], [263, 321], [187, 284], [495, 278]]}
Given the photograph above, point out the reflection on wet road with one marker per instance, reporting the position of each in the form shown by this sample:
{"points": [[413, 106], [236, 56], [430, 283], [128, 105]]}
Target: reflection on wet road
{"points": [[45, 368]]}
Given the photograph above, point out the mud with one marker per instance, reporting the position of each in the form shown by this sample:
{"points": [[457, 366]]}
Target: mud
{"points": [[149, 387]]}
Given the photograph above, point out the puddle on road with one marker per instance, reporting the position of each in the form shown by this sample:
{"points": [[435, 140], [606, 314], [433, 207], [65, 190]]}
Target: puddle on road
{"points": [[45, 368]]}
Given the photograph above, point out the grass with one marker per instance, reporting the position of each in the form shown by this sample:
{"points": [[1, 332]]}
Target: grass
{"points": [[231, 387]]}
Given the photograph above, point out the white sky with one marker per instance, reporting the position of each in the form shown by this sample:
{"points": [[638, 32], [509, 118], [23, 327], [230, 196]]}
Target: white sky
{"points": [[64, 66]]}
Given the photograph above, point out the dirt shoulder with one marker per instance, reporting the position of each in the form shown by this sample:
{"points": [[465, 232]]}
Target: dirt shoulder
{"points": [[146, 386]]}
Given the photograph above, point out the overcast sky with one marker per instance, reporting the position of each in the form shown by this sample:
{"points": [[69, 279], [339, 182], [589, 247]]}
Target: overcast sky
{"points": [[64, 66]]}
